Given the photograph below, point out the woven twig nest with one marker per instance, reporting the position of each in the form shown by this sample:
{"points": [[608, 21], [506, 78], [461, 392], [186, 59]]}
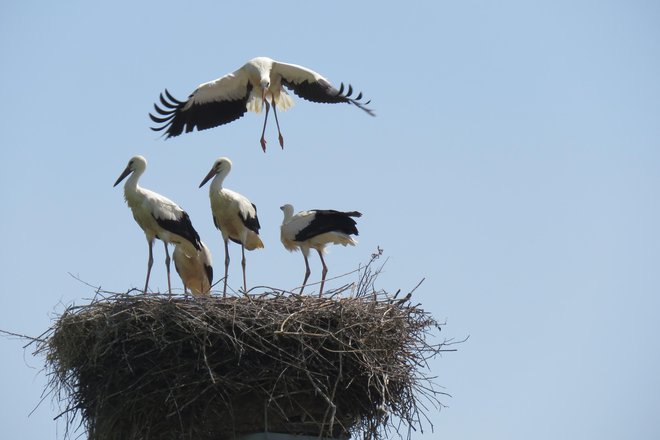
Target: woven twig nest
{"points": [[160, 367]]}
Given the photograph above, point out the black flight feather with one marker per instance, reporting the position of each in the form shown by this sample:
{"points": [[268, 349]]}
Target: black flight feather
{"points": [[181, 227], [252, 223], [322, 91], [174, 120], [329, 220], [209, 273]]}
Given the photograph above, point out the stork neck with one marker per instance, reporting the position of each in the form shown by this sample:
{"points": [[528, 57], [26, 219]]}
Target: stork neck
{"points": [[131, 184], [288, 215], [216, 183]]}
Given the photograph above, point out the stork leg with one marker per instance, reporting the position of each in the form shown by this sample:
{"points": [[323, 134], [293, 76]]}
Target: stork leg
{"points": [[307, 272], [167, 265], [150, 263], [243, 265], [224, 289], [263, 130], [325, 271], [281, 138]]}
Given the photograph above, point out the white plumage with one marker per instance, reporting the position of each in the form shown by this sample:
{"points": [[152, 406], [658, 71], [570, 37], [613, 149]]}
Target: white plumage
{"points": [[315, 229], [249, 88], [158, 216], [194, 268], [233, 214]]}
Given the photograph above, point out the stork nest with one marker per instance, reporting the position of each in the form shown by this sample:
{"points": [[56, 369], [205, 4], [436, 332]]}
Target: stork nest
{"points": [[169, 367]]}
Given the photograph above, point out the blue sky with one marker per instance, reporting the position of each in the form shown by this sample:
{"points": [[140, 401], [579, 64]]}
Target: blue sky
{"points": [[513, 164]]}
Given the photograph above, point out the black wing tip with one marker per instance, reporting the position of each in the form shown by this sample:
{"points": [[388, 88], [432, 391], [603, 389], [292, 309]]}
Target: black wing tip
{"points": [[355, 101], [166, 114]]}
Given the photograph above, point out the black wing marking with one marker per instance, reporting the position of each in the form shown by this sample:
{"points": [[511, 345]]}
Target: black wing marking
{"points": [[329, 220], [322, 91], [252, 223], [209, 273], [175, 120], [181, 227]]}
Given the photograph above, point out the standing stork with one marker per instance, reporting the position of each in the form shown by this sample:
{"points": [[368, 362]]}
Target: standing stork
{"points": [[233, 214], [314, 230], [249, 88], [194, 268], [158, 216]]}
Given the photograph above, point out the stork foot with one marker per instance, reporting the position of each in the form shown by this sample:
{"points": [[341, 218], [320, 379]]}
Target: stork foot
{"points": [[281, 139], [263, 144]]}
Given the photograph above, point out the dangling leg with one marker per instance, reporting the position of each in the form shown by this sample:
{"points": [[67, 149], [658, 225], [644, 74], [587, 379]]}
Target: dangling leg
{"points": [[224, 290], [325, 271], [263, 131], [281, 138], [167, 265], [243, 265], [307, 271], [150, 263]]}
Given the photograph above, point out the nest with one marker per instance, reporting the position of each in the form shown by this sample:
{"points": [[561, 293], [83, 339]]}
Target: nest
{"points": [[169, 367]]}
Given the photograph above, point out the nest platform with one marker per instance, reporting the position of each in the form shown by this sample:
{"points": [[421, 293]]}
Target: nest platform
{"points": [[134, 366]]}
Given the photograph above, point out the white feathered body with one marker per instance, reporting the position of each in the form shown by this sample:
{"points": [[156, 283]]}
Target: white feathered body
{"points": [[194, 268], [258, 72]]}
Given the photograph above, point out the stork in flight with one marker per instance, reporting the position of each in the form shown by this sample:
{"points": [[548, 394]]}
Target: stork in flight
{"points": [[194, 268], [314, 230], [249, 88], [158, 216], [233, 214]]}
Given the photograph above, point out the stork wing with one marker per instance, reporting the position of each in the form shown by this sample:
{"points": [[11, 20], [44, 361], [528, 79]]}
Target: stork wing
{"points": [[314, 87], [250, 219], [171, 217], [213, 103], [182, 227], [328, 220]]}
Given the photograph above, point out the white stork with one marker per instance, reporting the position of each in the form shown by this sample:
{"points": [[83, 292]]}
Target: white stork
{"points": [[233, 214], [158, 216], [194, 268], [314, 230], [249, 88]]}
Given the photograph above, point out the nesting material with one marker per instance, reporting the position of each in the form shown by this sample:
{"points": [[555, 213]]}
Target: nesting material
{"points": [[167, 367]]}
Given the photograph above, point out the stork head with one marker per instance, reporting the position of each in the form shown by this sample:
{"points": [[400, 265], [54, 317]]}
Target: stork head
{"points": [[287, 210], [221, 167], [135, 164]]}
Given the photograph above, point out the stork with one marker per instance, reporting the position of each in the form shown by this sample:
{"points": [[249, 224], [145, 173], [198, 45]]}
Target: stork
{"points": [[194, 268], [233, 214], [249, 88], [158, 216], [314, 230]]}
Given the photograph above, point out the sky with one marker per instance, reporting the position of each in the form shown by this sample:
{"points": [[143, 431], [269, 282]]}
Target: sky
{"points": [[513, 165]]}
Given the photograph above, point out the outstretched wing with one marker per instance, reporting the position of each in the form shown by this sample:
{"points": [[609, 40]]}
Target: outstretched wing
{"points": [[312, 86], [212, 104]]}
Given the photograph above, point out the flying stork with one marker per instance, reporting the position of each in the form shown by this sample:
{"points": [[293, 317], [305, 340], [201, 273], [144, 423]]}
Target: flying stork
{"points": [[233, 214], [249, 88], [158, 216], [314, 230], [194, 268]]}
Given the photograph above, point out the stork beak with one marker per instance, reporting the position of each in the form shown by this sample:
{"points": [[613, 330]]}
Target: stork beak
{"points": [[125, 173], [208, 177]]}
